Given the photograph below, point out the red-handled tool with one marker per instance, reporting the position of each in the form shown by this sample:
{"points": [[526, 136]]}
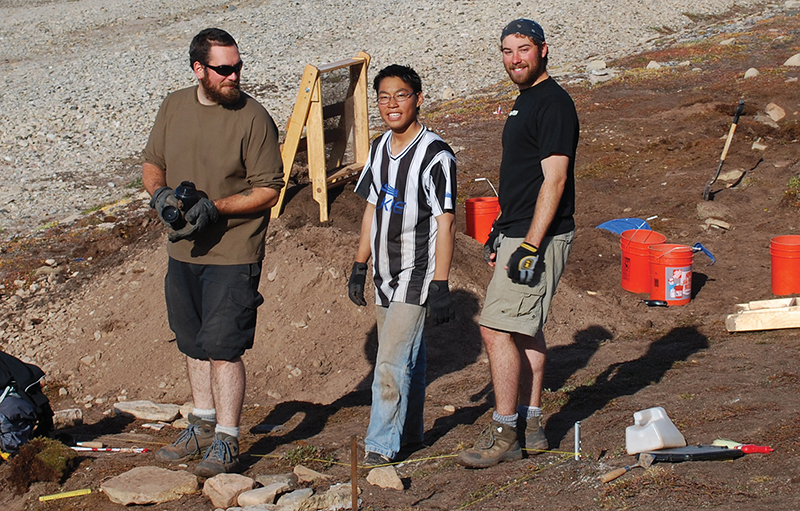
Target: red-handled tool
{"points": [[751, 448]]}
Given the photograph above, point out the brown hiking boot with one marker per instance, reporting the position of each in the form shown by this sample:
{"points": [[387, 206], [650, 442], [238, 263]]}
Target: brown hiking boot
{"points": [[531, 435], [498, 442], [221, 458], [191, 443]]}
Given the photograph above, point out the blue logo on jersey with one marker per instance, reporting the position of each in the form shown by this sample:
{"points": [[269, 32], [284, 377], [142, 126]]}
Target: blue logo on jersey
{"points": [[390, 202]]}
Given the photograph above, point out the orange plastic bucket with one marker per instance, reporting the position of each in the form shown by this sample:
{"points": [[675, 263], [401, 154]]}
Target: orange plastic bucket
{"points": [[635, 244], [785, 252], [671, 273], [481, 214]]}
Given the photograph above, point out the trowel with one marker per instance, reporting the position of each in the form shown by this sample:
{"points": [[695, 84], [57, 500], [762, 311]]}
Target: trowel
{"points": [[645, 460]]}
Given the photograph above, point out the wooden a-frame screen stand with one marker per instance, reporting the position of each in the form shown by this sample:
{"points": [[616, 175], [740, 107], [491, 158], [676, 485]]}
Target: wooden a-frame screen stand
{"points": [[309, 114]]}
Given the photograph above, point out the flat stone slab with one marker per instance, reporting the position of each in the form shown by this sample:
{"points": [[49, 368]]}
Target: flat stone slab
{"points": [[149, 485], [148, 410]]}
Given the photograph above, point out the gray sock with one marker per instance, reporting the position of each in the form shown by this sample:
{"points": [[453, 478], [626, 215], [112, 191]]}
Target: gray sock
{"points": [[508, 420], [228, 430], [206, 414], [529, 412]]}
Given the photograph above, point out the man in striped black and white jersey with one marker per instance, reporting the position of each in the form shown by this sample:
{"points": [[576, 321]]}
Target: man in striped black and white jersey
{"points": [[408, 227]]}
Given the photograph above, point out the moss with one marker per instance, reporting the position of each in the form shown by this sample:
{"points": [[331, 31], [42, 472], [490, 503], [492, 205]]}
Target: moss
{"points": [[41, 459]]}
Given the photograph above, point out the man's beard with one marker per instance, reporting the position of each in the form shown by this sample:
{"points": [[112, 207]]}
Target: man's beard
{"points": [[529, 77], [226, 93]]}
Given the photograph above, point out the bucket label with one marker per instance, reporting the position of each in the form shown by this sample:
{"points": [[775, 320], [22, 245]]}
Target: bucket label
{"points": [[679, 282]]}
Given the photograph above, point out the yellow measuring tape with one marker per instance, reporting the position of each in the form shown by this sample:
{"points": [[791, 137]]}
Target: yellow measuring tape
{"points": [[66, 494]]}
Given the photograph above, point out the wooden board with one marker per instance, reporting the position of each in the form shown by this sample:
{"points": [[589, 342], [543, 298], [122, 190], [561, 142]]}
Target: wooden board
{"points": [[764, 315]]}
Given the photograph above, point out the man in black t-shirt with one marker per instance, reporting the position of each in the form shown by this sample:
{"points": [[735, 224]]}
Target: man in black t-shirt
{"points": [[531, 240]]}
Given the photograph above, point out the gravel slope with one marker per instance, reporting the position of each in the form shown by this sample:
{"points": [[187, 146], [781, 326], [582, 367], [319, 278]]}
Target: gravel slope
{"points": [[82, 79]]}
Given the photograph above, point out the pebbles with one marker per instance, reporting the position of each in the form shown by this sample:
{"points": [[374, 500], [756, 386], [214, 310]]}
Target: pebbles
{"points": [[83, 79]]}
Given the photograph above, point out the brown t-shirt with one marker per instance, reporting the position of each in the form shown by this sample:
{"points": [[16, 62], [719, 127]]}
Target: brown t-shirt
{"points": [[224, 151]]}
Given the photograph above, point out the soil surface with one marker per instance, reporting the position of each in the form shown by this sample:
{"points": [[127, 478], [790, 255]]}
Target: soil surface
{"points": [[651, 139]]}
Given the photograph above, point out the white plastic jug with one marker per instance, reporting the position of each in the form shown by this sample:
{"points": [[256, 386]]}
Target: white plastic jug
{"points": [[652, 430]]}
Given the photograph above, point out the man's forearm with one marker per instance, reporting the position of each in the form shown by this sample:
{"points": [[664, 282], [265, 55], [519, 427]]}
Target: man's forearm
{"points": [[555, 170], [445, 244], [364, 250], [249, 201], [153, 178]]}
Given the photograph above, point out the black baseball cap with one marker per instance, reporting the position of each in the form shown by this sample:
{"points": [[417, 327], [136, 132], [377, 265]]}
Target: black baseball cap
{"points": [[524, 27]]}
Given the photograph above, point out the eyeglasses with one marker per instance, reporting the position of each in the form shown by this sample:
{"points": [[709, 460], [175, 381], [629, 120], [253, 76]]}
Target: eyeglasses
{"points": [[226, 70], [400, 97]]}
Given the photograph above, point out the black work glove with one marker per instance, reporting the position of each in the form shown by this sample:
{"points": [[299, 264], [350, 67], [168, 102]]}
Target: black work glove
{"points": [[355, 288], [491, 245], [164, 196], [200, 216], [440, 303], [522, 263]]}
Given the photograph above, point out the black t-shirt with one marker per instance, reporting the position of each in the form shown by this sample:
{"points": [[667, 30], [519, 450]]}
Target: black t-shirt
{"points": [[543, 123]]}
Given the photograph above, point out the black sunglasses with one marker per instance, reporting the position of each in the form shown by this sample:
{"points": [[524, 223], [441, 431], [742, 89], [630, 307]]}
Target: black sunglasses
{"points": [[226, 70]]}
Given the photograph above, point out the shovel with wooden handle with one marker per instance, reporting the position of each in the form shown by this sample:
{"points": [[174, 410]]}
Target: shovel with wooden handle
{"points": [[645, 460], [739, 110]]}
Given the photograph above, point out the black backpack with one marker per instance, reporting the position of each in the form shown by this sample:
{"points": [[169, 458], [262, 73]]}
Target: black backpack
{"points": [[25, 411]]}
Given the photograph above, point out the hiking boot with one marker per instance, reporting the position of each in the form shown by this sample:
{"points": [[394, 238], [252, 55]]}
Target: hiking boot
{"points": [[191, 443], [498, 442], [531, 435], [373, 459], [221, 458]]}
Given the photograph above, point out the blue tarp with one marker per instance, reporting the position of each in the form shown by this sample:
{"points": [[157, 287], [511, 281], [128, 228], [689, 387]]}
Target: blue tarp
{"points": [[620, 225]]}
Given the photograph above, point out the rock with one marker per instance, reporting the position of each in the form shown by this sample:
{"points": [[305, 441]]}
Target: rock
{"points": [[68, 418], [727, 42], [265, 495], [147, 410], [385, 477], [708, 209], [595, 65], [449, 408], [47, 270], [294, 499], [653, 65], [758, 145], [289, 479], [751, 73], [448, 93], [88, 360], [791, 4], [224, 489], [306, 475], [794, 60], [731, 175], [715, 222], [339, 496], [765, 119], [149, 485], [186, 409], [594, 78], [775, 112]]}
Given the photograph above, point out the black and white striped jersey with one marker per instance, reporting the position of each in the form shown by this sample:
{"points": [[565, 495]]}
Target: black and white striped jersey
{"points": [[409, 191]]}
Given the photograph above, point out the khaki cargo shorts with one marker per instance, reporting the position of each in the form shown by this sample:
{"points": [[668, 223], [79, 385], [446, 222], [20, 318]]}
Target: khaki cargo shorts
{"points": [[522, 308]]}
